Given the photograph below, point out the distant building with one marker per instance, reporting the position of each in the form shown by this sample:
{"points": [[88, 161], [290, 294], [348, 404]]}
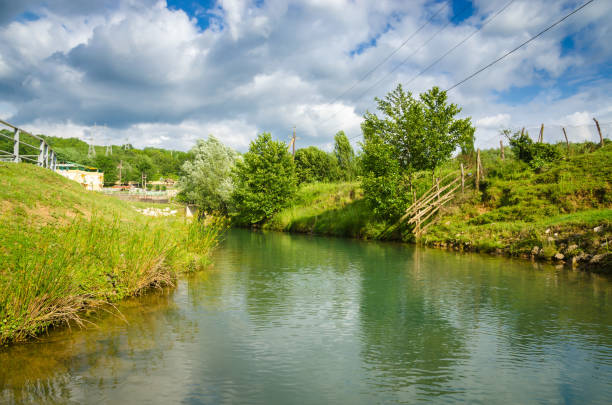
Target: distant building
{"points": [[88, 177]]}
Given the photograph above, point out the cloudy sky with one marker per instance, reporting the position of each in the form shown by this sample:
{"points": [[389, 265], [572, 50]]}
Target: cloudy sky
{"points": [[164, 73]]}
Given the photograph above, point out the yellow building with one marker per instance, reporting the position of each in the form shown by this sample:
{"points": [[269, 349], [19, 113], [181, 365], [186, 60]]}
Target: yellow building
{"points": [[88, 177]]}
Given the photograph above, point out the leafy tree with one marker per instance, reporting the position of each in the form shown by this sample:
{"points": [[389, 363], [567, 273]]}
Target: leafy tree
{"points": [[207, 180], [345, 156], [423, 131], [144, 165], [382, 181], [312, 164], [412, 135], [108, 166], [264, 180], [155, 162]]}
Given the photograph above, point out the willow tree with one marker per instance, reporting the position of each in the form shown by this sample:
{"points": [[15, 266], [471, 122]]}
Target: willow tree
{"points": [[206, 179]]}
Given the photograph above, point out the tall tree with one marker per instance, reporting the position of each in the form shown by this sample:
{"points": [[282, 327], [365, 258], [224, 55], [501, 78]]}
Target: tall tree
{"points": [[345, 155], [424, 131], [206, 179], [264, 180], [312, 164], [411, 135], [108, 166]]}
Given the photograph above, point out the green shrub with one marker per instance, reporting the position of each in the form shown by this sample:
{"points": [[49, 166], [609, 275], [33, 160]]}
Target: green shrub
{"points": [[264, 179], [536, 155], [314, 165], [384, 188]]}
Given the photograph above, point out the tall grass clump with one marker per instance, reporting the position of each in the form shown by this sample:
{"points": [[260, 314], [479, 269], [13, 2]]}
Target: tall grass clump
{"points": [[48, 275]]}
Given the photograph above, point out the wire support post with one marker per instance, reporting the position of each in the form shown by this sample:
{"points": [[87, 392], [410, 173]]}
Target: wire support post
{"points": [[16, 158]]}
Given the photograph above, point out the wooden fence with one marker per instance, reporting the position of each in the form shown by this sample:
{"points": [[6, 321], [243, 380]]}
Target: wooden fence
{"points": [[427, 208]]}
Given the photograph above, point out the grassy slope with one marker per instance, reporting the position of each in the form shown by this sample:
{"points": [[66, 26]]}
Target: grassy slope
{"points": [[64, 249], [517, 209]]}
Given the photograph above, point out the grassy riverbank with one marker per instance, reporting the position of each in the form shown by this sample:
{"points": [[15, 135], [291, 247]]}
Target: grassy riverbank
{"points": [[64, 250], [562, 212]]}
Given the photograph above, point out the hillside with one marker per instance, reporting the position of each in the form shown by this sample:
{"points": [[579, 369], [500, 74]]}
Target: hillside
{"points": [[64, 249], [562, 212], [155, 163]]}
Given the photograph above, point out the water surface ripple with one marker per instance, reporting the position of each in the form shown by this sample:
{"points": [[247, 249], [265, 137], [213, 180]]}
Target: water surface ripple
{"points": [[285, 319]]}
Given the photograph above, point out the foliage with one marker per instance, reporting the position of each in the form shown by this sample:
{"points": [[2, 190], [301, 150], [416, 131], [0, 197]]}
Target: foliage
{"points": [[314, 165], [413, 135], [107, 165], [382, 181], [264, 179], [63, 250], [345, 156], [423, 132], [155, 163], [326, 209], [206, 180], [566, 208], [536, 155]]}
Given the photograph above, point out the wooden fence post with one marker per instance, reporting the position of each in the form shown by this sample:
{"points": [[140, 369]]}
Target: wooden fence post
{"points": [[478, 170], [16, 146], [541, 139], [566, 140], [462, 179], [438, 195], [601, 142], [501, 146]]}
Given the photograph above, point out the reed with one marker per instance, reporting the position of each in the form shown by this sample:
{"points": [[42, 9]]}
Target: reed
{"points": [[50, 274]]}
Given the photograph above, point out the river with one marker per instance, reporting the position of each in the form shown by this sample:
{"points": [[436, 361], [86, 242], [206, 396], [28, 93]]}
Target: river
{"points": [[290, 319]]}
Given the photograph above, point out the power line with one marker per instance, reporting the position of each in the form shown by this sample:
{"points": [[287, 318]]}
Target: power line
{"points": [[510, 52], [520, 46], [461, 42], [391, 54], [411, 55], [402, 62]]}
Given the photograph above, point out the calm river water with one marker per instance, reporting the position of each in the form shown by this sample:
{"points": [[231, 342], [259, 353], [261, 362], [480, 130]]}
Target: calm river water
{"points": [[285, 319]]}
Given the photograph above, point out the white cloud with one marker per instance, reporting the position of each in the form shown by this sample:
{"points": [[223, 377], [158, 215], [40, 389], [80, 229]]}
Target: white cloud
{"points": [[152, 74], [494, 121]]}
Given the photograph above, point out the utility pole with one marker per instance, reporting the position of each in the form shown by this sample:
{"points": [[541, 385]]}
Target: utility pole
{"points": [[601, 141], [293, 142], [91, 152]]}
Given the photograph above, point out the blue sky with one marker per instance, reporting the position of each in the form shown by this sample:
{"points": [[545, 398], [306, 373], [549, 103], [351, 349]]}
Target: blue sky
{"points": [[167, 73]]}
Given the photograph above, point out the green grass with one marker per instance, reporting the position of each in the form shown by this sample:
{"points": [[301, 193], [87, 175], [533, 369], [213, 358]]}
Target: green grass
{"points": [[64, 250], [555, 209], [335, 209]]}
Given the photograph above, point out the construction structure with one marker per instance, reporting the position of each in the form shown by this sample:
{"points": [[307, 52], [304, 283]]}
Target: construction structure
{"points": [[89, 177]]}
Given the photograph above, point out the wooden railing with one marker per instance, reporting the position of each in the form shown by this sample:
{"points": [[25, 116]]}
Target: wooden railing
{"points": [[44, 156]]}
